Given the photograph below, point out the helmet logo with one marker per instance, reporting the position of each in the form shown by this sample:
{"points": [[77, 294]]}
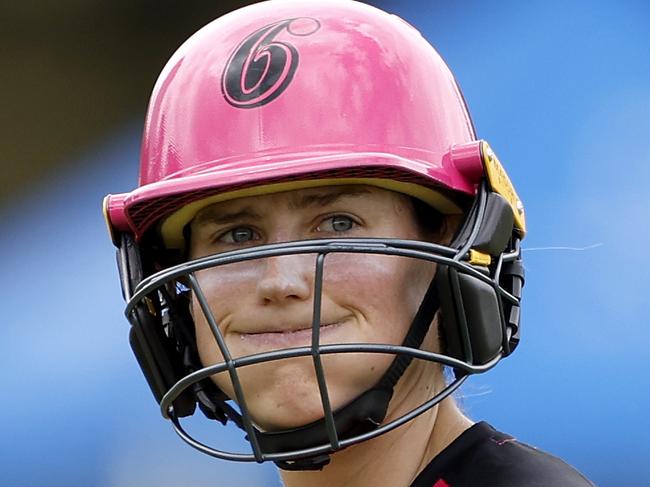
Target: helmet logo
{"points": [[262, 67]]}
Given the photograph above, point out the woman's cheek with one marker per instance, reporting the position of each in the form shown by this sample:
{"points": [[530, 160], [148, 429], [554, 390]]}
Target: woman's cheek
{"points": [[381, 288], [222, 287], [220, 283]]}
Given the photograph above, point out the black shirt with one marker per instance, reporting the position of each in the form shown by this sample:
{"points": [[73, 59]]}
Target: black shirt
{"points": [[484, 457]]}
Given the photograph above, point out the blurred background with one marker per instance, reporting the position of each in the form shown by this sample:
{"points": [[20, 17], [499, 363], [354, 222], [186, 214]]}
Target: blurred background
{"points": [[560, 89]]}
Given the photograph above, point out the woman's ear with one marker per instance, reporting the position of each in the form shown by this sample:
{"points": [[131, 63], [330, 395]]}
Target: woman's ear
{"points": [[448, 229]]}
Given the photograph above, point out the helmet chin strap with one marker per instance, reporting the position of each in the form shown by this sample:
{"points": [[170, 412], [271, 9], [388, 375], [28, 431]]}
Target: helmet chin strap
{"points": [[363, 414]]}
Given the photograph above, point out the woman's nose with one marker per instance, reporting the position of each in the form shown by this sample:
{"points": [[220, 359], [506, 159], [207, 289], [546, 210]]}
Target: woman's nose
{"points": [[286, 279]]}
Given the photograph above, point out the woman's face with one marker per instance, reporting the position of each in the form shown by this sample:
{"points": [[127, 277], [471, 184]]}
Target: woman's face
{"points": [[266, 304]]}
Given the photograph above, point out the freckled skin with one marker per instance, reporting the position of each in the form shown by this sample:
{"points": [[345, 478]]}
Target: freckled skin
{"points": [[261, 304]]}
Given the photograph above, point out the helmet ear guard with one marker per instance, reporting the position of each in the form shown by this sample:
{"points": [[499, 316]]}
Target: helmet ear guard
{"points": [[473, 313], [152, 347], [470, 316], [155, 347]]}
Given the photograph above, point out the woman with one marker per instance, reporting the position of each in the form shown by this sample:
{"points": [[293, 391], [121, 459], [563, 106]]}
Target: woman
{"points": [[317, 233]]}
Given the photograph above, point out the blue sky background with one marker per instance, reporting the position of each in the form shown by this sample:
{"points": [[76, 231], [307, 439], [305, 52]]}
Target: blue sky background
{"points": [[561, 90]]}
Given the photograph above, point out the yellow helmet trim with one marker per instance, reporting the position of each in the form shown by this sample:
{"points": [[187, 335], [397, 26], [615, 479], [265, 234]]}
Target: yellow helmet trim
{"points": [[479, 258], [500, 183]]}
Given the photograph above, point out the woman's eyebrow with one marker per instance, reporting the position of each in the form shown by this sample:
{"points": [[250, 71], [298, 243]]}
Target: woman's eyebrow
{"points": [[222, 218], [325, 198]]}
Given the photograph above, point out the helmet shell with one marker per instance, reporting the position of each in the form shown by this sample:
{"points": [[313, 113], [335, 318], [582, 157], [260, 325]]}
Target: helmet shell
{"points": [[294, 91]]}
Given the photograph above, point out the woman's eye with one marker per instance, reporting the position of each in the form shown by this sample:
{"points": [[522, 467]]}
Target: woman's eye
{"points": [[238, 235], [337, 223]]}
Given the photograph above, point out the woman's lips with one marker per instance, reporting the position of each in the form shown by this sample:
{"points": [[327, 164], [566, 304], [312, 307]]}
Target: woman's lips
{"points": [[284, 339]]}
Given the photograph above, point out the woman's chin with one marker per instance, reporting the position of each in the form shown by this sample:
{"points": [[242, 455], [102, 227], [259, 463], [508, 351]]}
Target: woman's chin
{"points": [[285, 420], [288, 406], [278, 409], [284, 394]]}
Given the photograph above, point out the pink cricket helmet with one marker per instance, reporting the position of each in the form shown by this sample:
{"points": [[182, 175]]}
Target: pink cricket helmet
{"points": [[289, 94]]}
